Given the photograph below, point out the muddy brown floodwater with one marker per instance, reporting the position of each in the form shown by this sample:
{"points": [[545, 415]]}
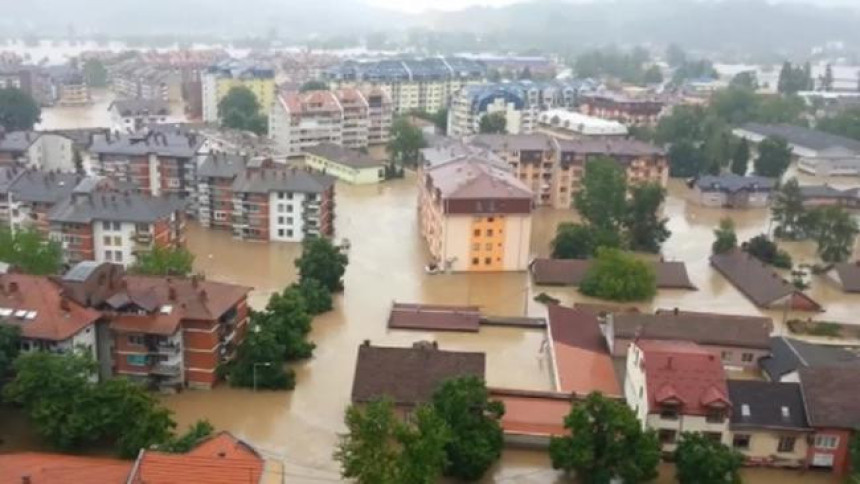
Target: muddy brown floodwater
{"points": [[386, 265]]}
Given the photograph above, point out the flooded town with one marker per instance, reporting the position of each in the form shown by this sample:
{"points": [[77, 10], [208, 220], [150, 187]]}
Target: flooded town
{"points": [[402, 256]]}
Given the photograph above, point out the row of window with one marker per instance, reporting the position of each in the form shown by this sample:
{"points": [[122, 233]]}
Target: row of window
{"points": [[113, 255], [486, 233]]}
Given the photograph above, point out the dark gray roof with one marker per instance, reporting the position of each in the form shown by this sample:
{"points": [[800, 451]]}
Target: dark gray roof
{"points": [[626, 147], [8, 175], [114, 207], [17, 141], [755, 279], [830, 396], [221, 165], [81, 271], [571, 272], [803, 137], [734, 183], [762, 404], [161, 142], [344, 156], [514, 142], [849, 275], [788, 355], [41, 187], [820, 191], [140, 107], [281, 180], [702, 328]]}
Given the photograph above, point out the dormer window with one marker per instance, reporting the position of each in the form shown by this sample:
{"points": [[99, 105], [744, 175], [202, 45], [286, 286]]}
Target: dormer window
{"points": [[669, 412], [715, 415]]}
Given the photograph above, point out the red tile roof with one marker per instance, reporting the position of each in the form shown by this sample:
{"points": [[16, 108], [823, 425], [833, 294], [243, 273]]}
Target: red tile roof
{"points": [[195, 299], [160, 324], [533, 413], [581, 356], [46, 468], [683, 372], [56, 318]]}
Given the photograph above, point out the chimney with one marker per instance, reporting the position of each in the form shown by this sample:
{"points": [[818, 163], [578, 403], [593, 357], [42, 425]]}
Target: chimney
{"points": [[366, 343], [203, 296], [13, 287], [194, 281], [171, 293], [675, 311], [26, 479]]}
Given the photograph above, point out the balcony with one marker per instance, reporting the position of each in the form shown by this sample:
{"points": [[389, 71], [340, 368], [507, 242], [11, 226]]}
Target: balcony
{"points": [[165, 369], [164, 348], [142, 237]]}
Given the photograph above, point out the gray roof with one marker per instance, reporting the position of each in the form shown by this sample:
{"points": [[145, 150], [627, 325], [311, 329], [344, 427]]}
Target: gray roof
{"points": [[731, 183], [17, 141], [139, 107], [755, 279], [161, 142], [830, 396], [514, 142], [703, 328], [344, 156], [803, 137], [788, 355], [849, 275], [114, 207], [281, 180], [221, 165], [763, 404], [81, 271], [820, 191], [452, 150], [42, 187]]}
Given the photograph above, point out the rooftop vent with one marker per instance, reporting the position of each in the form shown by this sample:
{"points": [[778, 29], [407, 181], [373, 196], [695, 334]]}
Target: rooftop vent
{"points": [[166, 309]]}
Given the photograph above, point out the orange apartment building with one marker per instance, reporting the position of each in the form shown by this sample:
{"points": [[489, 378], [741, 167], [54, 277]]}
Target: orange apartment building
{"points": [[553, 168], [630, 111], [475, 216]]}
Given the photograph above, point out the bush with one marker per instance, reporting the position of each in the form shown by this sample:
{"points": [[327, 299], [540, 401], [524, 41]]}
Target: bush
{"points": [[545, 298], [619, 276]]}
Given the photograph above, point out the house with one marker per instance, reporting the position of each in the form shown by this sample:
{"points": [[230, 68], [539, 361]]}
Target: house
{"points": [[533, 418], [581, 361], [571, 125], [435, 317], [224, 75], [351, 166], [132, 115], [788, 356], [38, 150], [475, 217], [826, 195], [50, 468], [571, 272], [768, 423], [739, 341], [632, 111], [734, 191], [409, 376], [847, 275], [678, 386], [833, 411], [759, 283], [817, 153]]}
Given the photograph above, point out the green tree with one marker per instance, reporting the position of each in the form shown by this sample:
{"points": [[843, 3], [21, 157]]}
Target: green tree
{"points": [[322, 261], [845, 123], [700, 460], [652, 75], [725, 238], [827, 79], [406, 142], [287, 318], [741, 158], [259, 362], [30, 252], [317, 297], [573, 241], [240, 109], [195, 434], [606, 442], [18, 111], [835, 232], [313, 85], [646, 231], [619, 276], [854, 454], [774, 156], [745, 80], [114, 400], [788, 211], [95, 74], [686, 160], [602, 201], [164, 261], [10, 338], [476, 437], [493, 123], [765, 250]]}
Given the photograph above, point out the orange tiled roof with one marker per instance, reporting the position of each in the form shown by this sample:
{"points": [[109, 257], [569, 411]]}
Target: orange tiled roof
{"points": [[582, 360], [55, 319], [526, 415], [46, 468]]}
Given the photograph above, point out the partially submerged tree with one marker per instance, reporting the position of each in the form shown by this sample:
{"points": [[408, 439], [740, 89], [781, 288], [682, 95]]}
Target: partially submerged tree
{"points": [[18, 111], [835, 231], [619, 276], [405, 143], [725, 238], [240, 109], [323, 261], [646, 231], [493, 123], [788, 211], [30, 252], [774, 156], [164, 261], [765, 250], [701, 460]]}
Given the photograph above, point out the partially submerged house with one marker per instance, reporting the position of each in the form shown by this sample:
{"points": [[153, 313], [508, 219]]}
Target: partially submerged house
{"points": [[571, 272], [788, 356]]}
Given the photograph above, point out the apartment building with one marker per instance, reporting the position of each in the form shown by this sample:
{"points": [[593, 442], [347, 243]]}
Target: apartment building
{"points": [[215, 189], [553, 168], [136, 80], [474, 216], [519, 102], [423, 84], [817, 153], [115, 227], [72, 89], [219, 78], [133, 115], [674, 387], [37, 150], [282, 204], [632, 111], [734, 191], [158, 161], [26, 196], [347, 117]]}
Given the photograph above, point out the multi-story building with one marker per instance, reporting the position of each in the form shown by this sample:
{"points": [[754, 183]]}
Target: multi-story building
{"points": [[348, 165], [475, 216], [136, 80], [553, 168], [115, 227], [519, 102], [282, 204], [734, 191], [675, 387], [215, 189], [26, 196], [422, 84], [156, 162], [566, 124], [346, 117], [223, 76], [132, 115], [72, 89], [38, 150], [833, 412], [632, 111]]}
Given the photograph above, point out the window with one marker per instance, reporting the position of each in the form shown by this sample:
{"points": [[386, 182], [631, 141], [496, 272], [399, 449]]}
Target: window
{"points": [[667, 436], [108, 255], [289, 208], [488, 246], [142, 227], [475, 261], [107, 240], [490, 219], [726, 356], [136, 360], [280, 195], [289, 232], [280, 220], [280, 209], [289, 195], [135, 339], [747, 357], [826, 441], [669, 413], [117, 241], [116, 225], [476, 247], [489, 232], [741, 441], [117, 255], [280, 232], [786, 444], [476, 233], [105, 225], [715, 415], [289, 220], [713, 436], [488, 261]]}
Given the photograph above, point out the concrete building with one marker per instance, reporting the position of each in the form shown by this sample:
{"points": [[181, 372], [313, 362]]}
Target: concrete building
{"points": [[225, 75], [826, 195], [215, 189], [833, 411], [475, 217], [115, 227], [132, 115], [519, 102], [347, 165], [734, 191], [72, 89], [675, 386], [26, 196], [565, 124], [134, 79], [816, 153], [632, 111], [38, 150], [346, 117], [424, 84]]}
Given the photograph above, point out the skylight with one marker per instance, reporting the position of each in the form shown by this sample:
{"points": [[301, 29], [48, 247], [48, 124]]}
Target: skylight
{"points": [[745, 410]]}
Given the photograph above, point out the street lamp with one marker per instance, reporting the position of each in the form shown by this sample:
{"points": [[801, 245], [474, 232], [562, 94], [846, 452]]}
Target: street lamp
{"points": [[254, 371]]}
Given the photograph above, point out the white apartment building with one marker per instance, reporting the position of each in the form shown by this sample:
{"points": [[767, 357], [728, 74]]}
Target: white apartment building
{"points": [[37, 150]]}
